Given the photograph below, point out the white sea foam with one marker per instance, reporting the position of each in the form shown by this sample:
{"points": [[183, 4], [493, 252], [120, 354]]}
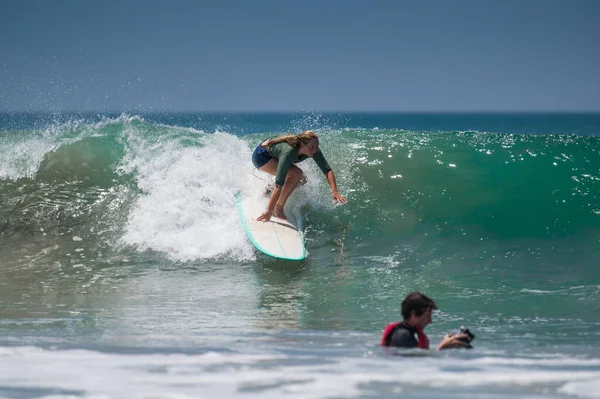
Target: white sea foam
{"points": [[272, 375], [582, 389], [187, 209]]}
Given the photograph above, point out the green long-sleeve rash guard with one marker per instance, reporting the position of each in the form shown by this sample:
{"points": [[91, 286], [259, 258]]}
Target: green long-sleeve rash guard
{"points": [[288, 155]]}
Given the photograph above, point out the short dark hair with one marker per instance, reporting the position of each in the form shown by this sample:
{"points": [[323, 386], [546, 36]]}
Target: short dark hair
{"points": [[418, 303]]}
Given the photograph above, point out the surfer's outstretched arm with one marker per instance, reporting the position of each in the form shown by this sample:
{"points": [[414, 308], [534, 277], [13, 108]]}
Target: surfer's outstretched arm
{"points": [[335, 195]]}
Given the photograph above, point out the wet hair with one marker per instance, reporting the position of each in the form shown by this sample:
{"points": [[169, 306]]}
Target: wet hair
{"points": [[418, 303], [295, 139]]}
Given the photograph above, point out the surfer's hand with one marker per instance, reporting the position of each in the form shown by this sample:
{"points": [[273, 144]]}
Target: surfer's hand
{"points": [[339, 198], [454, 341], [266, 215]]}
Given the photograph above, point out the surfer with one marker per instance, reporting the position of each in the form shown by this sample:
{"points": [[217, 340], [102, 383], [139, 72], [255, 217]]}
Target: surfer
{"points": [[277, 156], [416, 312]]}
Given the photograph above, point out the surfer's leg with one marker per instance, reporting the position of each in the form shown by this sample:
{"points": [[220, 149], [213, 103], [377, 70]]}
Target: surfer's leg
{"points": [[292, 179], [271, 168]]}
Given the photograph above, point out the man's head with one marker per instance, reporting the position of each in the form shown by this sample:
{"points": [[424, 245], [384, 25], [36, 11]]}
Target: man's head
{"points": [[416, 309]]}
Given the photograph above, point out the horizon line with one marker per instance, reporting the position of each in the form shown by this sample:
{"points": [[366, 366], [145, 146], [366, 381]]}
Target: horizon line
{"points": [[406, 112]]}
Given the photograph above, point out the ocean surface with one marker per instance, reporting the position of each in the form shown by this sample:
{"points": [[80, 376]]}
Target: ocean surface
{"points": [[125, 272]]}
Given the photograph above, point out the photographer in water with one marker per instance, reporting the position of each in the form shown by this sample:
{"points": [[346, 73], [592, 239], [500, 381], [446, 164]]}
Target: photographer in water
{"points": [[416, 312]]}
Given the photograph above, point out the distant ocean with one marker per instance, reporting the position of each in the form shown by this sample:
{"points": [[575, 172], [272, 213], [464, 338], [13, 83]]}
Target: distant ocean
{"points": [[125, 272]]}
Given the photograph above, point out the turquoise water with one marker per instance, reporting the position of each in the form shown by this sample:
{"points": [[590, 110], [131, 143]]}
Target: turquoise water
{"points": [[122, 257]]}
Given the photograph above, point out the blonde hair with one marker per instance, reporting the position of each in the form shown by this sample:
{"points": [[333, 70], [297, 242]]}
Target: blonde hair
{"points": [[295, 139]]}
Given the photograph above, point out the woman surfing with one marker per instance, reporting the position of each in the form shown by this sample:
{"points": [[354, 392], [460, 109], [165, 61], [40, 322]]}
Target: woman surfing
{"points": [[277, 157]]}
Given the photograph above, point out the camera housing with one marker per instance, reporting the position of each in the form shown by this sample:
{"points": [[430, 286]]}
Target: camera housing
{"points": [[469, 335], [466, 331]]}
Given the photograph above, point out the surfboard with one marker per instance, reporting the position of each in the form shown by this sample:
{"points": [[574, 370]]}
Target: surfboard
{"points": [[277, 237]]}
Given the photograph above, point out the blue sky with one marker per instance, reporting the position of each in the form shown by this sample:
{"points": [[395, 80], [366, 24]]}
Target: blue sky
{"points": [[371, 55]]}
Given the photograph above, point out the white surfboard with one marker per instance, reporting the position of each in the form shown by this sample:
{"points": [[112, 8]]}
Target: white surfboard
{"points": [[278, 237]]}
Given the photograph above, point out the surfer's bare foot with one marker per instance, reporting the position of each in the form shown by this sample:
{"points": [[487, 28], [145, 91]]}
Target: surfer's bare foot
{"points": [[302, 181], [278, 212], [269, 189]]}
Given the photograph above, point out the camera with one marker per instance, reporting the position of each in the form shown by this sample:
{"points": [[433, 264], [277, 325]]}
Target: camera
{"points": [[470, 336], [466, 331]]}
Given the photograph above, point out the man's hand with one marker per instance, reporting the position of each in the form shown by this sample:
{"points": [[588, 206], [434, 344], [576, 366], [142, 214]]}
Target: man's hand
{"points": [[454, 341]]}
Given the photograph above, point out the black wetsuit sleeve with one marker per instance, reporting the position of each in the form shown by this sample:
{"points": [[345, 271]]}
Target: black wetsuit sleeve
{"points": [[403, 338]]}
